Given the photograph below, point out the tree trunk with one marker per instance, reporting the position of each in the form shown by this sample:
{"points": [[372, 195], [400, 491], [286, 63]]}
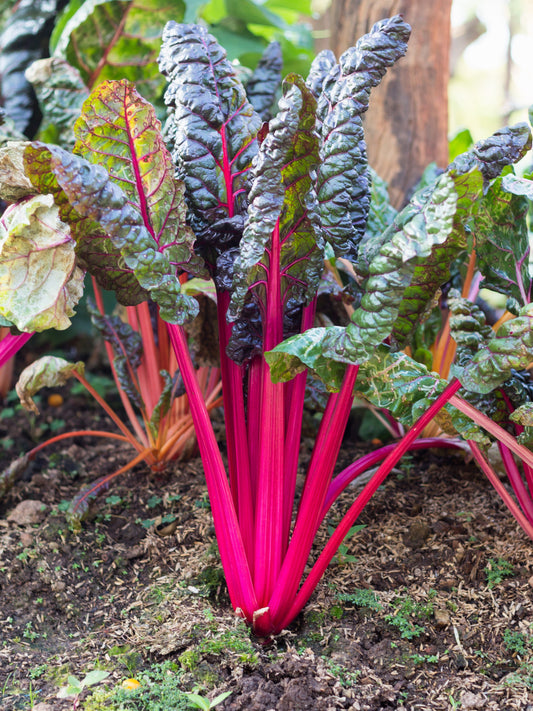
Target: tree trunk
{"points": [[406, 126]]}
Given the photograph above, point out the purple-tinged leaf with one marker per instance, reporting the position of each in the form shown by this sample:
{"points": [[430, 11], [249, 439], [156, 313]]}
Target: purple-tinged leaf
{"points": [[490, 156], [282, 236], [321, 66], [93, 195], [119, 130], [213, 126], [95, 251], [518, 186], [264, 83], [342, 183]]}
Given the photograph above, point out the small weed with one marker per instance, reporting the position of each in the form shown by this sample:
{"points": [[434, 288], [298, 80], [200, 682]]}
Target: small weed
{"points": [[497, 570], [408, 614], [154, 501], [75, 687], [37, 672], [424, 658], [346, 677], [30, 633], [361, 597], [517, 643]]}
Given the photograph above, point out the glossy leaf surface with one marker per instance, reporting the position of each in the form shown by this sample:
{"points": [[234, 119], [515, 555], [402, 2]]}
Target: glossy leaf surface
{"points": [[213, 125], [342, 182], [282, 233]]}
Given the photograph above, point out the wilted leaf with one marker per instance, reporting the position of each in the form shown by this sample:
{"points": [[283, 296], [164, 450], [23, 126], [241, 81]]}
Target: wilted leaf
{"points": [[47, 372]]}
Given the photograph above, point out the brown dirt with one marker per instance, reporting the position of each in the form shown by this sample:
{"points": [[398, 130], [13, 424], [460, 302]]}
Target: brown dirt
{"points": [[118, 595]]}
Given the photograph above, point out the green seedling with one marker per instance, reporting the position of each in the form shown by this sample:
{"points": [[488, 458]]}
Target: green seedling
{"points": [[75, 686], [497, 570], [201, 702]]}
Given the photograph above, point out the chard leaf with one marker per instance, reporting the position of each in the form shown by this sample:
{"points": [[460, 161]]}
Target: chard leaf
{"points": [[47, 372], [432, 271], [165, 401], [8, 130], [127, 347], [264, 83], [424, 225], [502, 243], [523, 415], [303, 351], [14, 183], [511, 348], [282, 234], [490, 156], [118, 39], [119, 129], [23, 40], [61, 93], [321, 66], [40, 283], [212, 125], [342, 181], [518, 186], [381, 213], [93, 195], [95, 250]]}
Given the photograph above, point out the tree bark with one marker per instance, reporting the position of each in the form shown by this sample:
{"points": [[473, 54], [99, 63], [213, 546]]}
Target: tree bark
{"points": [[406, 126]]}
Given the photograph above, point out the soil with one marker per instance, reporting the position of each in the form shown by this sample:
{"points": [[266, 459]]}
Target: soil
{"points": [[429, 606]]}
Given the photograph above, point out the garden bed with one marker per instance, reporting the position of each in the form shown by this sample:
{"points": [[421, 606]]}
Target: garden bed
{"points": [[428, 607]]}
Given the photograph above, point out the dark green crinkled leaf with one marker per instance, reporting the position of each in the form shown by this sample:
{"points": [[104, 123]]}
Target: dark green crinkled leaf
{"points": [[490, 156], [264, 83], [127, 348], [303, 351], [424, 225], [434, 270], [93, 195], [282, 234], [118, 39], [342, 183], [321, 66], [61, 93], [502, 243], [212, 125], [95, 251], [510, 348], [381, 212], [470, 331]]}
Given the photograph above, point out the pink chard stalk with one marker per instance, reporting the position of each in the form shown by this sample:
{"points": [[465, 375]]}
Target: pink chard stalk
{"points": [[266, 204]]}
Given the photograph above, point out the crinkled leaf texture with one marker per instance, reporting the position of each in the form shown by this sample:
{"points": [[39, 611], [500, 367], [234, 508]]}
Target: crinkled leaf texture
{"points": [[518, 186], [119, 130], [212, 127], [93, 195], [388, 380], [511, 348], [502, 243], [40, 283], [282, 233], [343, 182], [14, 183], [264, 83], [118, 39], [61, 93], [94, 249], [47, 372]]}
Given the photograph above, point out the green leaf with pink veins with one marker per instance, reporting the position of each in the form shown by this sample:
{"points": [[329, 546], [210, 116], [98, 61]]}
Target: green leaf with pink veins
{"points": [[37, 293]]}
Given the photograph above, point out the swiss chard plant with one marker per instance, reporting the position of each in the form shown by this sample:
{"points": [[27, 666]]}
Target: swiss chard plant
{"points": [[257, 207]]}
